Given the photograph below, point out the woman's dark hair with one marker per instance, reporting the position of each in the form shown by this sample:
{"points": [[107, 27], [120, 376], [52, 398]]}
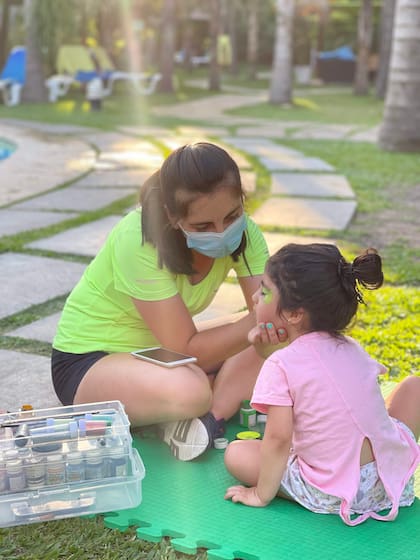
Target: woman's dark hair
{"points": [[317, 278], [187, 173]]}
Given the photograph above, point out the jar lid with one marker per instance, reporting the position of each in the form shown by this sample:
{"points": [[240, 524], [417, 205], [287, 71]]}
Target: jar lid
{"points": [[248, 435], [220, 443]]}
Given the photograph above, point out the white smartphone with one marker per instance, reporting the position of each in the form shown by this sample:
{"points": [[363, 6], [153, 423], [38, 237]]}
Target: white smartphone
{"points": [[163, 357]]}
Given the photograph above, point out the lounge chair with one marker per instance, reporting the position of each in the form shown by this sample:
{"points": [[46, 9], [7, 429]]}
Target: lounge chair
{"points": [[79, 64], [13, 76]]}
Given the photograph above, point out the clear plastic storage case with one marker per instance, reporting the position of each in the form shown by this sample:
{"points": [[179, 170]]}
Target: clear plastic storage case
{"points": [[67, 461]]}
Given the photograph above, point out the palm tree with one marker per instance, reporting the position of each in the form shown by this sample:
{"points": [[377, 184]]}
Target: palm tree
{"points": [[364, 41], [34, 89], [215, 25], [252, 49], [168, 46], [386, 27], [400, 129], [281, 78]]}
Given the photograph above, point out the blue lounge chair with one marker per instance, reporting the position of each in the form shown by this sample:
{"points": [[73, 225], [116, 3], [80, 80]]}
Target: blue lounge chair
{"points": [[13, 76]]}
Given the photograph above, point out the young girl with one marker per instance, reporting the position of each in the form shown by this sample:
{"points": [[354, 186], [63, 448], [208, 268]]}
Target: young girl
{"points": [[330, 443]]}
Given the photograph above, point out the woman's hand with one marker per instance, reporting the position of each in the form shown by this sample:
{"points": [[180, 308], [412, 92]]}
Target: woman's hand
{"points": [[264, 336], [244, 495]]}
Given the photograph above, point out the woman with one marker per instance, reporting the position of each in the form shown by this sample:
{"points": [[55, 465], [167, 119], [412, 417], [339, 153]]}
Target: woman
{"points": [[161, 265]]}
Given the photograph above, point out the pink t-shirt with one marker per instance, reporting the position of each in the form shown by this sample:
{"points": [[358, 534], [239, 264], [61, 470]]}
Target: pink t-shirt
{"points": [[333, 388]]}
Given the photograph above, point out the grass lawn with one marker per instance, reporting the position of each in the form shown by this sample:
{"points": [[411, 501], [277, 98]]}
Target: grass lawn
{"points": [[322, 106], [386, 186]]}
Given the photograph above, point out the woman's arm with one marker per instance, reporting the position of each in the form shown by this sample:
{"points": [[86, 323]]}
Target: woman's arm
{"points": [[170, 322], [275, 450]]}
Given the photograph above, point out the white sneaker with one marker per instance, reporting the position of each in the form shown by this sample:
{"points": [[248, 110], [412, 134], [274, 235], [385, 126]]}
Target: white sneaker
{"points": [[187, 439]]}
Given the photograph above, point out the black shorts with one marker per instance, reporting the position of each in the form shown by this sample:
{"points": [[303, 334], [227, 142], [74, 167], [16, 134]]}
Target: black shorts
{"points": [[68, 371]]}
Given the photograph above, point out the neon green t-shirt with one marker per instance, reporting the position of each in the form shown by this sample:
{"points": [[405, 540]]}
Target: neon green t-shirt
{"points": [[99, 314]]}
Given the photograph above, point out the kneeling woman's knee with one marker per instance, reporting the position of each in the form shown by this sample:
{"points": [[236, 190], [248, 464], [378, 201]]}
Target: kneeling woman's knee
{"points": [[195, 392]]}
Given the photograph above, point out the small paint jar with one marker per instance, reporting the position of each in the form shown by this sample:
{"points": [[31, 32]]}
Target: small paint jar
{"points": [[116, 461], [261, 423], [35, 472], [3, 475], [56, 471], [247, 415], [16, 475], [248, 435], [75, 467], [94, 464]]}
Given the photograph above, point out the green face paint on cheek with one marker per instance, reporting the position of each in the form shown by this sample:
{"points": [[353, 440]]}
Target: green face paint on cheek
{"points": [[268, 297]]}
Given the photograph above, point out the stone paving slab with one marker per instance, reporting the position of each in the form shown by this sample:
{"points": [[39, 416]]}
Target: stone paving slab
{"points": [[307, 213], [44, 329], [72, 198], [276, 241], [28, 280], [121, 178], [17, 221], [86, 239], [175, 142], [229, 299], [40, 163], [25, 379], [323, 132], [140, 130], [275, 157], [311, 184], [283, 160], [370, 135], [50, 128], [203, 131]]}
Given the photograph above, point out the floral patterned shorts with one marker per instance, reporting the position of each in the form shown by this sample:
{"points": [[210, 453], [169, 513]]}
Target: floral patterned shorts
{"points": [[371, 495]]}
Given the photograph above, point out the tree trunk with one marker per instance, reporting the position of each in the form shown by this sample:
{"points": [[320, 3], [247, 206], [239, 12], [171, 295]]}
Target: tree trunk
{"points": [[400, 129], [167, 46], [364, 42], [214, 71], [252, 46], [34, 90], [233, 33], [385, 42], [281, 78], [4, 32]]}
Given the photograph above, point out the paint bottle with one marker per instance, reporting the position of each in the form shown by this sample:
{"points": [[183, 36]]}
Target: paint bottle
{"points": [[35, 472], [75, 467], [247, 415], [56, 470], [15, 474], [116, 461], [94, 464], [261, 423], [3, 475]]}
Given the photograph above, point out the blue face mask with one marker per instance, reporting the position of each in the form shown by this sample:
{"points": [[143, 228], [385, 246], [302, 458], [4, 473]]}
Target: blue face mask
{"points": [[217, 245]]}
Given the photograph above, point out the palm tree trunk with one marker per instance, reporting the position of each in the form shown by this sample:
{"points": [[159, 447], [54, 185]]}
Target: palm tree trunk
{"points": [[364, 41], [214, 71], [168, 46], [400, 129], [4, 32], [252, 50], [34, 89], [385, 41], [281, 78]]}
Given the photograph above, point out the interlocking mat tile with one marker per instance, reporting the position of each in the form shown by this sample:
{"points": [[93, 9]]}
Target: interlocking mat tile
{"points": [[184, 501]]}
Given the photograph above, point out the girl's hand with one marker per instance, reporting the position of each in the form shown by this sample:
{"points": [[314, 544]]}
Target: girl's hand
{"points": [[244, 495], [265, 335]]}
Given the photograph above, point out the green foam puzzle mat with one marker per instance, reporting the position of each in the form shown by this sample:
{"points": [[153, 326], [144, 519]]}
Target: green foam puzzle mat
{"points": [[184, 501]]}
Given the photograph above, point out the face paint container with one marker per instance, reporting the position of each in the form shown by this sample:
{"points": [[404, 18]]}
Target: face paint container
{"points": [[3, 475], [35, 472], [56, 473], [75, 467], [94, 464], [247, 415], [16, 475], [117, 461]]}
